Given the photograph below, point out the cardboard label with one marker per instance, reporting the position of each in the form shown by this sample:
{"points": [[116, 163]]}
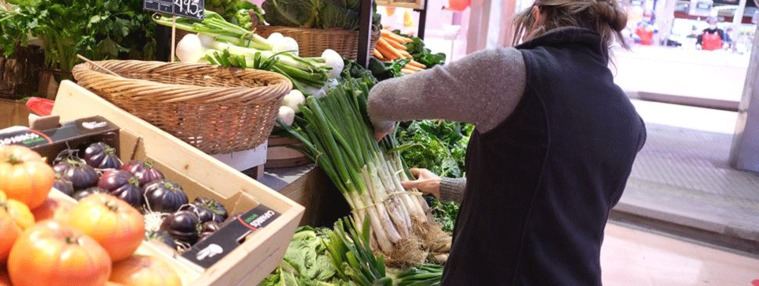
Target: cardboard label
{"points": [[29, 138], [182, 8], [212, 249], [75, 134]]}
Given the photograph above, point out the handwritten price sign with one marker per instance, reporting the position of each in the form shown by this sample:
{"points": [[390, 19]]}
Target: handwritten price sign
{"points": [[181, 8]]}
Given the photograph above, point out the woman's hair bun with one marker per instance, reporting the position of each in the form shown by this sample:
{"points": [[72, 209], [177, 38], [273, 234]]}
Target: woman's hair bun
{"points": [[611, 12]]}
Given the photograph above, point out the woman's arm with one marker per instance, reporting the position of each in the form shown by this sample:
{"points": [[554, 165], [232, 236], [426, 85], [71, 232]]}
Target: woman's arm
{"points": [[482, 89], [452, 189]]}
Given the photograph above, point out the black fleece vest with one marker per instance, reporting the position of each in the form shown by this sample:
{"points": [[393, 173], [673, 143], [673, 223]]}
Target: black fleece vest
{"points": [[540, 185]]}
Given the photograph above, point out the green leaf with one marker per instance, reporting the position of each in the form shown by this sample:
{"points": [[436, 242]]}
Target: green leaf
{"points": [[95, 19]]}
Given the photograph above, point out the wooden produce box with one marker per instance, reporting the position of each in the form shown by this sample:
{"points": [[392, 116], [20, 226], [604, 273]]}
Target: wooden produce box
{"points": [[200, 174], [13, 113]]}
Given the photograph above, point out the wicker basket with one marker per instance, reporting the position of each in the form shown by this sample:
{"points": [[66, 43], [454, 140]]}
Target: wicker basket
{"points": [[217, 110], [312, 42]]}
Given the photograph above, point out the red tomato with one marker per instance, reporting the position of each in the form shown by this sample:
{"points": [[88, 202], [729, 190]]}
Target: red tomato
{"points": [[50, 253], [113, 223], [24, 175], [14, 218]]}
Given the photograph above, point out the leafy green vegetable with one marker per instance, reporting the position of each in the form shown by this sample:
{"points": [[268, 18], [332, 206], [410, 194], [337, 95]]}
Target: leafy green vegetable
{"points": [[423, 275], [422, 54], [353, 70], [320, 14], [383, 71], [306, 261], [324, 257], [439, 146], [444, 213], [14, 31], [231, 10], [97, 29]]}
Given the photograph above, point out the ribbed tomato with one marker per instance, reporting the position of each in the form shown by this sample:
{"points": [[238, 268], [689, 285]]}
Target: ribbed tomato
{"points": [[50, 253], [52, 209], [24, 175], [113, 223], [141, 270], [4, 279], [15, 217]]}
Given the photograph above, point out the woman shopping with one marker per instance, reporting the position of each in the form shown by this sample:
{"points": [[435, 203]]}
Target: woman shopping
{"points": [[554, 144]]}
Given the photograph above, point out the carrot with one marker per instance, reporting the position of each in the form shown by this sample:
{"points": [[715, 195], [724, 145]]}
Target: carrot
{"points": [[377, 54], [386, 53], [406, 55], [395, 36], [395, 44], [407, 71], [417, 64], [413, 68], [381, 43]]}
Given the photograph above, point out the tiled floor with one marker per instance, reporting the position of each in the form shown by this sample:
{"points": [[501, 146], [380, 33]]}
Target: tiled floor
{"points": [[640, 258], [682, 176]]}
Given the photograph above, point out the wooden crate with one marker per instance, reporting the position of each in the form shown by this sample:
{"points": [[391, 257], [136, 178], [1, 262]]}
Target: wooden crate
{"points": [[12, 113], [284, 152], [199, 174]]}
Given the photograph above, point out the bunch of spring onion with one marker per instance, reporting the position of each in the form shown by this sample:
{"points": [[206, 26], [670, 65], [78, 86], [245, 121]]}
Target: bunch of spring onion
{"points": [[222, 43], [352, 255], [339, 138]]}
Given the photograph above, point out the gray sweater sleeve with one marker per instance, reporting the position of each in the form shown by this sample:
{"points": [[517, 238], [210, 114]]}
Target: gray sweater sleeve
{"points": [[452, 189], [482, 89]]}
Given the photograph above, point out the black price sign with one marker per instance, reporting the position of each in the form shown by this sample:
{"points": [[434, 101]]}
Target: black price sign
{"points": [[181, 8]]}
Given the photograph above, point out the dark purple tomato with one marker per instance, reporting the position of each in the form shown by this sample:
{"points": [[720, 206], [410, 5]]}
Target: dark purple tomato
{"points": [[164, 196], [182, 226], [64, 186], [219, 211], [77, 172], [144, 172], [100, 155], [123, 185]]}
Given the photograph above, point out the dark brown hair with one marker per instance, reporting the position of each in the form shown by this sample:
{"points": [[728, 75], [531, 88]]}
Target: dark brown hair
{"points": [[605, 17]]}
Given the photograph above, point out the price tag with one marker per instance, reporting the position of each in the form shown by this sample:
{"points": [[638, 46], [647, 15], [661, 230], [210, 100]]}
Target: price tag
{"points": [[181, 8]]}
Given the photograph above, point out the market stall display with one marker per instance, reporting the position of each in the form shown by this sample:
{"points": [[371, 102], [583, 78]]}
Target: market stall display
{"points": [[217, 197], [163, 212]]}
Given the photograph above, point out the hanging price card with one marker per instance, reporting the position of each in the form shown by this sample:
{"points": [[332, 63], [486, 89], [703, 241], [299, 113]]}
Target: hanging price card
{"points": [[181, 8]]}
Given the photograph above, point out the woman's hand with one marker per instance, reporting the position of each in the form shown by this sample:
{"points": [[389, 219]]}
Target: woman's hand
{"points": [[426, 182]]}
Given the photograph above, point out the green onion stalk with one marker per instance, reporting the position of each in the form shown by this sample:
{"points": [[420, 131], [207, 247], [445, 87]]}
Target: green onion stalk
{"points": [[351, 253], [339, 138], [423, 275], [230, 45]]}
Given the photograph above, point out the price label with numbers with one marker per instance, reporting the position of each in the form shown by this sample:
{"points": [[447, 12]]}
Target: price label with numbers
{"points": [[181, 8]]}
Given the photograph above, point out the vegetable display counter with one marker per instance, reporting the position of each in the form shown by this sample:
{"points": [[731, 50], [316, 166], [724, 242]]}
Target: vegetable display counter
{"points": [[257, 254]]}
